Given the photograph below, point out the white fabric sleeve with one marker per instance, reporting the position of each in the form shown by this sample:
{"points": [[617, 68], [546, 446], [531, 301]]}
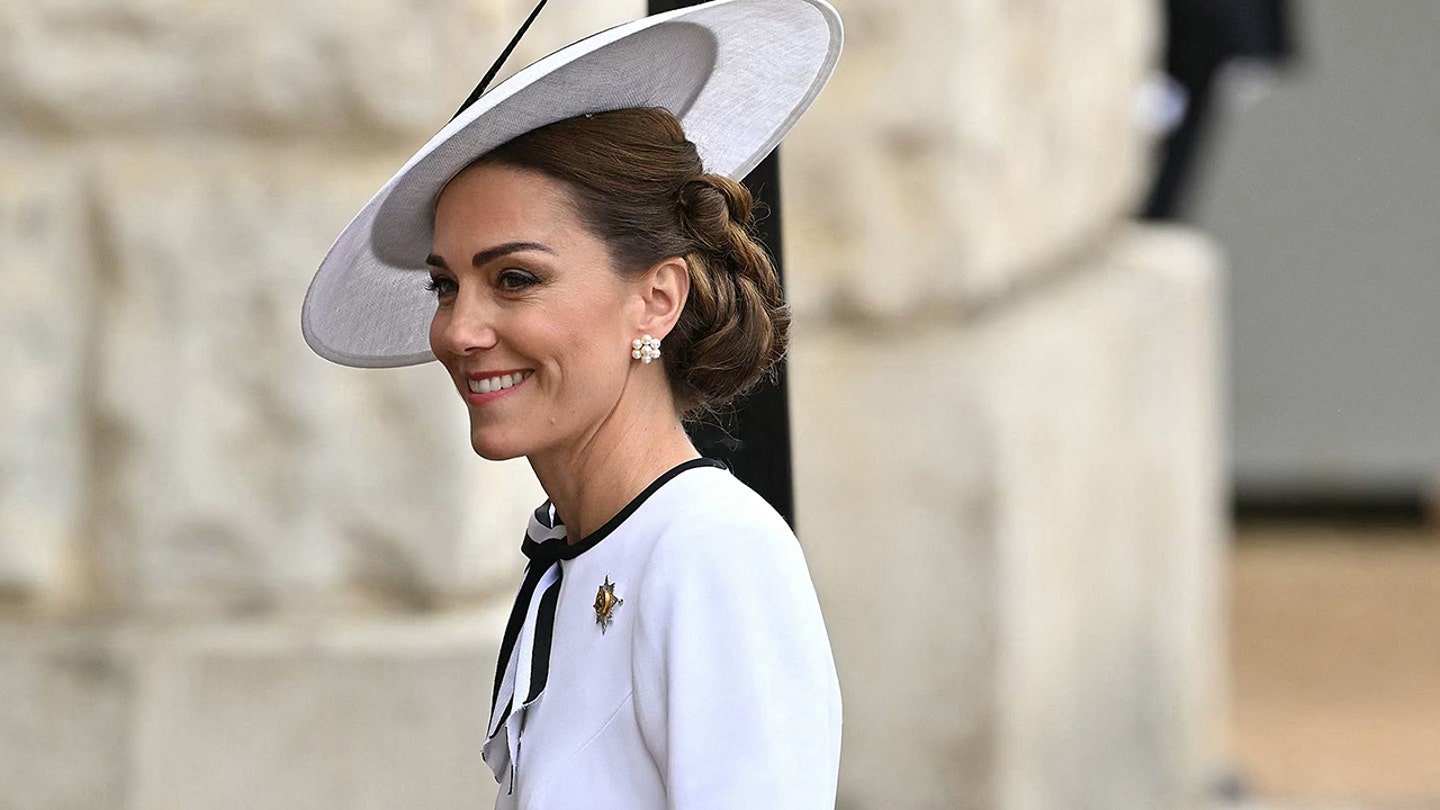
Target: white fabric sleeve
{"points": [[734, 681]]}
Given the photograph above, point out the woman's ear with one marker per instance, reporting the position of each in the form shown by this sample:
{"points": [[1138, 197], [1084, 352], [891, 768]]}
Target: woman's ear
{"points": [[663, 292]]}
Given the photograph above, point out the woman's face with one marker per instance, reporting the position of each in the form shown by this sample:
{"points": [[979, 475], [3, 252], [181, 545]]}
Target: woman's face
{"points": [[533, 323]]}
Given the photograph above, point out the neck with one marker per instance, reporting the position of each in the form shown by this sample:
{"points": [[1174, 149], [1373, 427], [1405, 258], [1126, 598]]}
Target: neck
{"points": [[591, 479]]}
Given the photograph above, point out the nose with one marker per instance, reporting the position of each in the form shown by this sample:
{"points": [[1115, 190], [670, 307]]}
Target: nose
{"points": [[464, 326]]}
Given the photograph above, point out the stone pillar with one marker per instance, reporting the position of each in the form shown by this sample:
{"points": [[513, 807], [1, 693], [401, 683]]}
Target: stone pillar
{"points": [[1008, 416], [232, 574]]}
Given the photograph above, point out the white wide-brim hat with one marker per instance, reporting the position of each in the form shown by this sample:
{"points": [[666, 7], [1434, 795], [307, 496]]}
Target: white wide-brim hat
{"points": [[737, 73]]}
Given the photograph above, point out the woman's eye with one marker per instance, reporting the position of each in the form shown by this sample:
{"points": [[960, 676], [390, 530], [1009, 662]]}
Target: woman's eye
{"points": [[516, 280], [441, 286]]}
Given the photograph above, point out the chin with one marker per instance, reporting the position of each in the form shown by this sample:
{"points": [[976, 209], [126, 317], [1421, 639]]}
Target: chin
{"points": [[495, 446]]}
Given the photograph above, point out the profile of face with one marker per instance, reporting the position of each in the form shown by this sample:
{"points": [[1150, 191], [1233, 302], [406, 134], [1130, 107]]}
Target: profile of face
{"points": [[533, 323]]}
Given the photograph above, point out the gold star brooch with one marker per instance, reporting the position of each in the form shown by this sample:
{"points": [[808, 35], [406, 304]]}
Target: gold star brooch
{"points": [[605, 603]]}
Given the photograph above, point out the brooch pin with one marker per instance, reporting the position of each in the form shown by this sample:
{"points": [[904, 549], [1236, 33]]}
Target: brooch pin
{"points": [[605, 603]]}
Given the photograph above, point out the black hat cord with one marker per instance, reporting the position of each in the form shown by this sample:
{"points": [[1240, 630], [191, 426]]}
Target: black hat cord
{"points": [[495, 68]]}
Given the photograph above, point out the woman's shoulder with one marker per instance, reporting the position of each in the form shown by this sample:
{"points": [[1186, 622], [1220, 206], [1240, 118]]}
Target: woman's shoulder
{"points": [[727, 569], [711, 500], [718, 524]]}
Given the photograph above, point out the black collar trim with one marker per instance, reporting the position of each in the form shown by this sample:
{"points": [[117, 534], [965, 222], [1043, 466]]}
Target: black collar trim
{"points": [[565, 551]]}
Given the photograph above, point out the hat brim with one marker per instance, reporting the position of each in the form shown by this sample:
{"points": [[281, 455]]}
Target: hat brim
{"points": [[737, 73]]}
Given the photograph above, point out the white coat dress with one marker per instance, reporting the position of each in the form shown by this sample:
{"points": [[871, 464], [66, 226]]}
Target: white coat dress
{"points": [[674, 659]]}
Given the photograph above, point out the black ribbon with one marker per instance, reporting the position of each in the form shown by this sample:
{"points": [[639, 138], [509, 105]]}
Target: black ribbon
{"points": [[542, 557], [495, 68]]}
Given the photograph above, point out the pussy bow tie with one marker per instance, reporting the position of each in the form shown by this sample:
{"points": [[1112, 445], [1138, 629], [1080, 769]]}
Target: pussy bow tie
{"points": [[523, 665]]}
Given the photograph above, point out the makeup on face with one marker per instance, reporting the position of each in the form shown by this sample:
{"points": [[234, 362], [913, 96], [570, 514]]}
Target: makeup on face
{"points": [[531, 331]]}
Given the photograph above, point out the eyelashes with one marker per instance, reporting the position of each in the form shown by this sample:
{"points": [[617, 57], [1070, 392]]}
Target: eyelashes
{"points": [[516, 280], [510, 280], [440, 286]]}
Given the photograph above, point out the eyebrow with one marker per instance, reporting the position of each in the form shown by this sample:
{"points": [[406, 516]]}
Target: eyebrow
{"points": [[490, 254]]}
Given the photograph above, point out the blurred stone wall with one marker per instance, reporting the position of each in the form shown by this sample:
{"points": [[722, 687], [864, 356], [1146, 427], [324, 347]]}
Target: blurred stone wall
{"points": [[234, 575], [1008, 415], [1021, 583]]}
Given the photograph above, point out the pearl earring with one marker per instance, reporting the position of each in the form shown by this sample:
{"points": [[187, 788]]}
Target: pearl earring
{"points": [[645, 349]]}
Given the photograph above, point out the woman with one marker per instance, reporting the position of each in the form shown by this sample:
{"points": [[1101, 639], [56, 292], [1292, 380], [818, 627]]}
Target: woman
{"points": [[591, 286]]}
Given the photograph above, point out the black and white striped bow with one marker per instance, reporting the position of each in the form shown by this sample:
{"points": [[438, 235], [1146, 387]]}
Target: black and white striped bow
{"points": [[524, 662]]}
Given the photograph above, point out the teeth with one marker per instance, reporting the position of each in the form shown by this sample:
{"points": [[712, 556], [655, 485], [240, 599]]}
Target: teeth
{"points": [[492, 384]]}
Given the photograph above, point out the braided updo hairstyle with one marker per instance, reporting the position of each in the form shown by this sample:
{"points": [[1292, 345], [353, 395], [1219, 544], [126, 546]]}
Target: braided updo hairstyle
{"points": [[639, 185]]}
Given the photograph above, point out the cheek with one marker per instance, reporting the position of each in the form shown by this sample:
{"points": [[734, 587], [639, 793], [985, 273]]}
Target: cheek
{"points": [[587, 361], [592, 349]]}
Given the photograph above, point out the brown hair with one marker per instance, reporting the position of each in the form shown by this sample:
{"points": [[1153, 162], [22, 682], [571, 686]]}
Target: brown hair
{"points": [[639, 185]]}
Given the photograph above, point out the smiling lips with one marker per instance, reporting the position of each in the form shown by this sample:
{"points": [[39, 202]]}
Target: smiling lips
{"points": [[499, 382]]}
